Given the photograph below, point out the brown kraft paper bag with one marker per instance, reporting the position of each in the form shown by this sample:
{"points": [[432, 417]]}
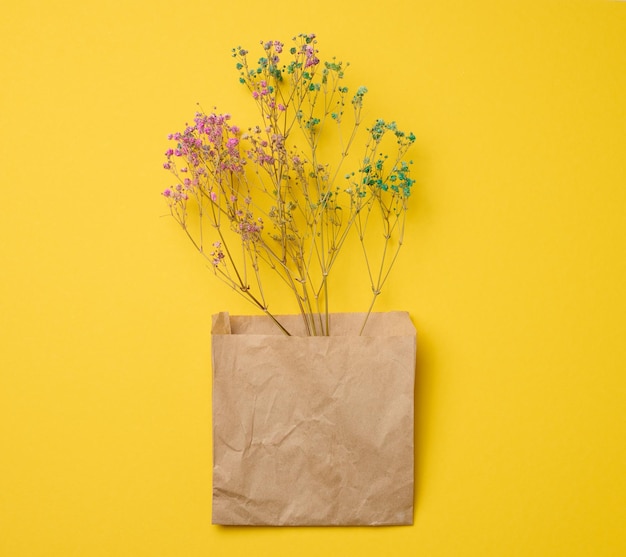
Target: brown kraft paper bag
{"points": [[313, 430]]}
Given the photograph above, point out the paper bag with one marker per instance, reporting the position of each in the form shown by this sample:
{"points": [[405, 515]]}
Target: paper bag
{"points": [[313, 430]]}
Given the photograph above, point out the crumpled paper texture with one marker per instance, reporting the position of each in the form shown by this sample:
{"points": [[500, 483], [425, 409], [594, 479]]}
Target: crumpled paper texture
{"points": [[313, 430]]}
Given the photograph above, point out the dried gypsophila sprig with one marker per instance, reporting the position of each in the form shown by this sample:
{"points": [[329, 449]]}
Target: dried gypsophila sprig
{"points": [[253, 201]]}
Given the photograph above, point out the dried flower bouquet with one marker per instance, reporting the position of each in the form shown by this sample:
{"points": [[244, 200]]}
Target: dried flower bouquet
{"points": [[264, 199]]}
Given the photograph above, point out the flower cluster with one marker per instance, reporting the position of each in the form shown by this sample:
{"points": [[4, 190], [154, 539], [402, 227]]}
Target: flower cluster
{"points": [[281, 204], [217, 254]]}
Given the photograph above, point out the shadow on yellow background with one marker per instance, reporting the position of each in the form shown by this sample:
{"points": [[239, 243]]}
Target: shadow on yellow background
{"points": [[513, 272]]}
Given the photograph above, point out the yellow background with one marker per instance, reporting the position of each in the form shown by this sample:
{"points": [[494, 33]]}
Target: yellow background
{"points": [[513, 272]]}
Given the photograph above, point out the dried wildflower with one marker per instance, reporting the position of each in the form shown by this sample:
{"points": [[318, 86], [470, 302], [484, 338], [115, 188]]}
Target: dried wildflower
{"points": [[275, 207]]}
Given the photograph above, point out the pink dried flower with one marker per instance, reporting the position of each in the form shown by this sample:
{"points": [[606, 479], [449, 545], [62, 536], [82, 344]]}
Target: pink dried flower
{"points": [[312, 61]]}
